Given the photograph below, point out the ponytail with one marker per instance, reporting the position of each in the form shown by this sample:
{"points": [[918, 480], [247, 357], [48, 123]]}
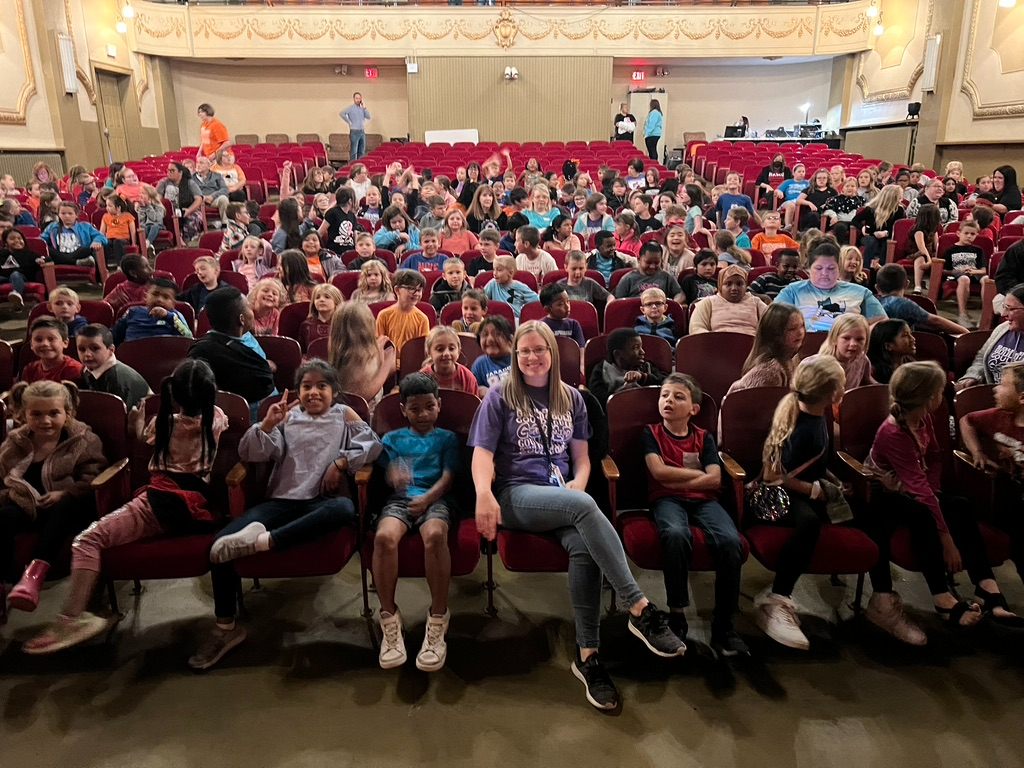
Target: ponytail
{"points": [[783, 424]]}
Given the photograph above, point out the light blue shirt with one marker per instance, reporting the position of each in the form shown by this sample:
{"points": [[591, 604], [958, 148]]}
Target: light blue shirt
{"points": [[821, 308], [356, 116], [655, 124]]}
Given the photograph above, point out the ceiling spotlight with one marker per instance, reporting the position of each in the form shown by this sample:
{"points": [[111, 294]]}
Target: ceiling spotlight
{"points": [[128, 12], [879, 29], [121, 27], [1007, 3], [872, 11]]}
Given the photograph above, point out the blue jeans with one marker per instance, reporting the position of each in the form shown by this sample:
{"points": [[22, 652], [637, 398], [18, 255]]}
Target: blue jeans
{"points": [[585, 533], [18, 282], [153, 231], [290, 522], [357, 141], [673, 517]]}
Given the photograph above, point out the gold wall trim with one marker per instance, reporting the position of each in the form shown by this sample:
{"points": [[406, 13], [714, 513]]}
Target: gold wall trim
{"points": [[219, 31], [143, 82], [19, 115], [895, 94], [980, 109], [80, 73]]}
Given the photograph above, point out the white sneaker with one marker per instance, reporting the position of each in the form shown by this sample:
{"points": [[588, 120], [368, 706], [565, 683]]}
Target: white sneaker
{"points": [[16, 299], [885, 610], [776, 616], [965, 321], [392, 645], [435, 650]]}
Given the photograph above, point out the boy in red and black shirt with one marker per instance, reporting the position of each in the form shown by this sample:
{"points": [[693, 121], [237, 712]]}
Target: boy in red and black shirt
{"points": [[684, 479]]}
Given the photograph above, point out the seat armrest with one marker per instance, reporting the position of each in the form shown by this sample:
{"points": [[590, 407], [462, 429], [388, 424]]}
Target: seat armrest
{"points": [[235, 481], [236, 476], [738, 477], [849, 470], [988, 293], [611, 471], [732, 467], [111, 487], [49, 276]]}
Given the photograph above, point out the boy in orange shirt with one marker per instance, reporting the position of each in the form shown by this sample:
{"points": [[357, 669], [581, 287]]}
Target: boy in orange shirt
{"points": [[403, 320], [770, 241]]}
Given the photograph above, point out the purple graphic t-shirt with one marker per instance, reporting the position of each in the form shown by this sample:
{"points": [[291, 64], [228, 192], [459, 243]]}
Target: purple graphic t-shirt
{"points": [[515, 438]]}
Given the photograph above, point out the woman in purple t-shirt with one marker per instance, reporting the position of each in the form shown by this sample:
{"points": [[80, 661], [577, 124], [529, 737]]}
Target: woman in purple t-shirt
{"points": [[530, 468]]}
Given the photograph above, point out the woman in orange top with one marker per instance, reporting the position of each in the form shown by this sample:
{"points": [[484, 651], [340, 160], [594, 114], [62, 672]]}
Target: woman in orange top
{"points": [[118, 226], [213, 136], [130, 188]]}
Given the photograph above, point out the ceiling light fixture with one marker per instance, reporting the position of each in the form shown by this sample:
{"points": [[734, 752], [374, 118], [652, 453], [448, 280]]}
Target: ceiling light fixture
{"points": [[872, 11]]}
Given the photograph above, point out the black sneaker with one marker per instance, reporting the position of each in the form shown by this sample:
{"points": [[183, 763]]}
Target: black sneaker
{"points": [[651, 627], [728, 644], [601, 691], [677, 623]]}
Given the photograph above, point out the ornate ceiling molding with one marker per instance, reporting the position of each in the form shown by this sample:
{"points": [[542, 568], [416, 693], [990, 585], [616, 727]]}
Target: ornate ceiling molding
{"points": [[19, 115], [979, 108], [219, 31], [894, 94]]}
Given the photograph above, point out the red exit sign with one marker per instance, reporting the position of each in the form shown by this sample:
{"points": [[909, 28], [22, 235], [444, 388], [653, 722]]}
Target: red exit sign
{"points": [[638, 76], [371, 73]]}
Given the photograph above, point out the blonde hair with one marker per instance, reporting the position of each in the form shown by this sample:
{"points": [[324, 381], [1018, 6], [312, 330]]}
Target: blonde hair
{"points": [[366, 269], [652, 293], [331, 291], [851, 250], [63, 290], [446, 230], [514, 387], [1016, 372], [206, 260], [726, 243], [39, 390], [912, 386], [505, 262], [261, 246], [352, 343], [953, 165], [815, 383], [885, 203], [843, 324], [437, 332], [273, 282], [151, 193]]}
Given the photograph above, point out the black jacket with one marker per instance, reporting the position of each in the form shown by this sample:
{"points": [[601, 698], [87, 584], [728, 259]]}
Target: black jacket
{"points": [[237, 368], [1010, 271]]}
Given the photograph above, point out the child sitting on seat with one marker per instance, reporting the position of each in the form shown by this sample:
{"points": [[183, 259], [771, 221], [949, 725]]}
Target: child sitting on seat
{"points": [[995, 440], [442, 348], [654, 320], [312, 443], [767, 286], [367, 252], [487, 244], [266, 299], [403, 320], [421, 462], [295, 277], [495, 364], [70, 241], [176, 500], [323, 303], [625, 367], [118, 226], [891, 282], [578, 286], [648, 274], [104, 372], [374, 284], [208, 271], [965, 266], [684, 478], [735, 225], [555, 300], [605, 258], [132, 289], [157, 318], [851, 265], [48, 338], [428, 260], [452, 287], [65, 305], [771, 240], [255, 260], [505, 288], [531, 257], [455, 235], [237, 229], [703, 282], [46, 467]]}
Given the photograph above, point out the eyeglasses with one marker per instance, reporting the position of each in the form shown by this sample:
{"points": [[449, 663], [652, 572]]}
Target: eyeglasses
{"points": [[655, 304], [1007, 309], [411, 289], [535, 352]]}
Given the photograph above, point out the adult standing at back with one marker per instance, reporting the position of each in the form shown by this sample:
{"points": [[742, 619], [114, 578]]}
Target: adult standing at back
{"points": [[625, 124], [213, 135], [355, 116], [654, 127]]}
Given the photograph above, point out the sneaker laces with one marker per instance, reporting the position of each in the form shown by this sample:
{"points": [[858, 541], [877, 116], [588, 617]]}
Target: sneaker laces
{"points": [[435, 633], [788, 612], [392, 634]]}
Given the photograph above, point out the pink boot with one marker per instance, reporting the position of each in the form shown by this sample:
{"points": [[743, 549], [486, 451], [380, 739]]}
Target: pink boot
{"points": [[25, 595]]}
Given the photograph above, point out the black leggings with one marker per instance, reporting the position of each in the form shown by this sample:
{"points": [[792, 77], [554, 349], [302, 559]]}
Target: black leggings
{"points": [[652, 146], [891, 510], [69, 259], [805, 517], [1010, 517], [54, 526]]}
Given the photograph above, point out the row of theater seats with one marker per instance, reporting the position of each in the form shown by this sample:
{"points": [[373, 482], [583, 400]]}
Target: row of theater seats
{"points": [[744, 420]]}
